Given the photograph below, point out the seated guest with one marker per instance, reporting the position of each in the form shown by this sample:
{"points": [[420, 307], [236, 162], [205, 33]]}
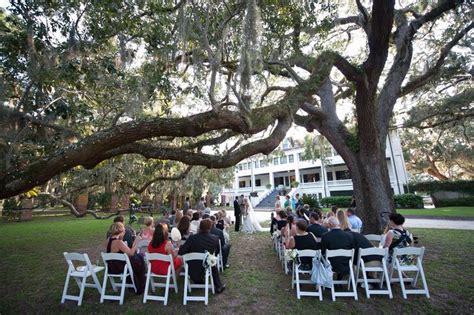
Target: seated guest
{"points": [[116, 244], [147, 233], [184, 227], [195, 222], [343, 220], [224, 244], [200, 243], [337, 239], [161, 245], [354, 220], [315, 227], [396, 236], [130, 234], [289, 230], [303, 240]]}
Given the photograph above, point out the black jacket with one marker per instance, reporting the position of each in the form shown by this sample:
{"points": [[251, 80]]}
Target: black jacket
{"points": [[317, 229], [337, 239], [199, 243]]}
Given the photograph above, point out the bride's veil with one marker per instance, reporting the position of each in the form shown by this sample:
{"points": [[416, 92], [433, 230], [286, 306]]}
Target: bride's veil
{"points": [[253, 218]]}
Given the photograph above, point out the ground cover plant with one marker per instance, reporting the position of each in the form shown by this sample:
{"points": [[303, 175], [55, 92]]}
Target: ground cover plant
{"points": [[32, 273]]}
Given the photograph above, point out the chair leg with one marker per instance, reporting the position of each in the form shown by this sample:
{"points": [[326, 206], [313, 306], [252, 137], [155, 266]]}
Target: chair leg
{"points": [[66, 285]]}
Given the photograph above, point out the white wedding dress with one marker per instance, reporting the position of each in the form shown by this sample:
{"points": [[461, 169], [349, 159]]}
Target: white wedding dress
{"points": [[251, 224]]}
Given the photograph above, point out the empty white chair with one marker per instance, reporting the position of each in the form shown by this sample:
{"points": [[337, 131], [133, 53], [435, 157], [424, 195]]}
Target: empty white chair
{"points": [[402, 269], [80, 274], [209, 282], [382, 268], [297, 273], [127, 271], [170, 278], [142, 246], [351, 281]]}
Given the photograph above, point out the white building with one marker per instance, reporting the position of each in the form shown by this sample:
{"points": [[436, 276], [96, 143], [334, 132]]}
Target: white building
{"points": [[257, 173]]}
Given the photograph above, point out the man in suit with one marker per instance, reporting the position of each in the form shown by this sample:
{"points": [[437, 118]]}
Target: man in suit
{"points": [[224, 245], [317, 229], [337, 239], [200, 243], [237, 213]]}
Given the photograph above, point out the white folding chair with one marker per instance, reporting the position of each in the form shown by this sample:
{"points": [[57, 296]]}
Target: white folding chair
{"points": [[220, 259], [170, 278], [142, 246], [297, 273], [382, 268], [402, 269], [127, 271], [80, 274], [188, 286], [351, 281], [375, 239]]}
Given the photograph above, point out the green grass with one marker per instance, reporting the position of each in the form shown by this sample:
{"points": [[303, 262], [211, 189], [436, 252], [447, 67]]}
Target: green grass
{"points": [[440, 212], [32, 273]]}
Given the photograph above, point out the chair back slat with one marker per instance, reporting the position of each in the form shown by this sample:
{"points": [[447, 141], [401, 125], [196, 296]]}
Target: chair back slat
{"points": [[339, 253]]}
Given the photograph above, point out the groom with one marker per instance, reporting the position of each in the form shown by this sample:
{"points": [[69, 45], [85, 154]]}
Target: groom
{"points": [[237, 213]]}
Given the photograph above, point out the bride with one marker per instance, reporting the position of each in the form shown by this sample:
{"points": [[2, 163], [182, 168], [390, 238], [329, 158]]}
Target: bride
{"points": [[250, 221]]}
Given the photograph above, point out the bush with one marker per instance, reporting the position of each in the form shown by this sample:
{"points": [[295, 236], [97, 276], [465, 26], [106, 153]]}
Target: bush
{"points": [[340, 201], [434, 186], [310, 200], [466, 202], [408, 201]]}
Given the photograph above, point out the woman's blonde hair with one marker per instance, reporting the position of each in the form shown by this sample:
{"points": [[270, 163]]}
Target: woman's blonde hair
{"points": [[343, 220], [148, 221], [117, 228]]}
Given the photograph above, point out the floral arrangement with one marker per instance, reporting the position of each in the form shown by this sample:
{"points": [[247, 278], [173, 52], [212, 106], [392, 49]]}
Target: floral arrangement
{"points": [[291, 254]]}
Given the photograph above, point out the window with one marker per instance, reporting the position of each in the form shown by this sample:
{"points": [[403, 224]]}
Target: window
{"points": [[275, 161], [283, 160], [258, 182], [291, 158], [329, 174], [343, 175], [241, 184]]}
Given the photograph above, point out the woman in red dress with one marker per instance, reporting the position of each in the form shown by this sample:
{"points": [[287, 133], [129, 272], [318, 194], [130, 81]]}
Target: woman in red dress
{"points": [[161, 245]]}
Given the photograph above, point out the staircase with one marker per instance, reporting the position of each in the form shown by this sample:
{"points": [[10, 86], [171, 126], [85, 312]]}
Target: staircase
{"points": [[268, 201]]}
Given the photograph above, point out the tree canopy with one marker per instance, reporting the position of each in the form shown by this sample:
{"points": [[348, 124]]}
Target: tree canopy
{"points": [[192, 81]]}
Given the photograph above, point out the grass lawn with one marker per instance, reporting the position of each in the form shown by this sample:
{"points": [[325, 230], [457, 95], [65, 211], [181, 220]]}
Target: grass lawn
{"points": [[440, 212], [33, 269]]}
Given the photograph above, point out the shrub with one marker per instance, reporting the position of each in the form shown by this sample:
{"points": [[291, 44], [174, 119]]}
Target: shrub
{"points": [[466, 202], [310, 200], [408, 201], [340, 201]]}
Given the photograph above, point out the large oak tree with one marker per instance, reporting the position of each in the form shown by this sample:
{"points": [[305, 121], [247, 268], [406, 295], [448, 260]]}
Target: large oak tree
{"points": [[83, 81]]}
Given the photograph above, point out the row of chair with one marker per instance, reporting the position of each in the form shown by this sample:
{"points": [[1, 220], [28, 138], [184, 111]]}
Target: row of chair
{"points": [[81, 269], [388, 274]]}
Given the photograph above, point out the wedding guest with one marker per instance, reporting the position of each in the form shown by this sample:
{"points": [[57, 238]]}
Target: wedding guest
{"points": [[116, 244], [289, 230], [224, 244], [354, 220], [184, 227], [337, 239], [130, 234], [396, 235], [303, 240], [343, 220], [315, 226], [200, 243], [161, 245], [147, 233]]}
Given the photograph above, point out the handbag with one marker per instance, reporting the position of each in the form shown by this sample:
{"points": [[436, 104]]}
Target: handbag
{"points": [[321, 273]]}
